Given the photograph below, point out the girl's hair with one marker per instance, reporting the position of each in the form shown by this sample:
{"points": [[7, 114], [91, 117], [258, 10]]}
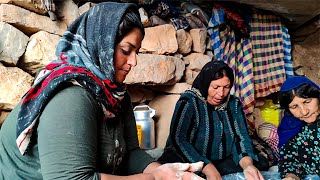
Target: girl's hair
{"points": [[303, 91], [223, 72], [130, 20]]}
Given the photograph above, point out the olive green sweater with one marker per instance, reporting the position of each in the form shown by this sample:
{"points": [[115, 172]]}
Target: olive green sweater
{"points": [[71, 140]]}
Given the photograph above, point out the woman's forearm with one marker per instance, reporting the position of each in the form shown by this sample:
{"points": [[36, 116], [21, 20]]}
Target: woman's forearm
{"points": [[245, 162], [208, 168], [211, 172], [249, 170]]}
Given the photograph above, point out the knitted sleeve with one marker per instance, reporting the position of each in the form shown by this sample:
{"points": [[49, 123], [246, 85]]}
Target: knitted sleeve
{"points": [[243, 143], [184, 128]]}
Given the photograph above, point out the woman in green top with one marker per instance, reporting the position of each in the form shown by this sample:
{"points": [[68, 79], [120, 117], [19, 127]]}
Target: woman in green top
{"points": [[76, 122]]}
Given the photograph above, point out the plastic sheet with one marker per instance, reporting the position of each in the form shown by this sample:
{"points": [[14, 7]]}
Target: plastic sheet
{"points": [[268, 175]]}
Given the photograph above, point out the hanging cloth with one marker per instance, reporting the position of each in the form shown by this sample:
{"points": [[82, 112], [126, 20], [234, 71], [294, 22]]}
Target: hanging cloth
{"points": [[268, 54], [238, 55], [213, 29], [287, 52]]}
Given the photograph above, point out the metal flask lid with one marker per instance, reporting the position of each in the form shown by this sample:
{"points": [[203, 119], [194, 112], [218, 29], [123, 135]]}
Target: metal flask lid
{"points": [[143, 112]]}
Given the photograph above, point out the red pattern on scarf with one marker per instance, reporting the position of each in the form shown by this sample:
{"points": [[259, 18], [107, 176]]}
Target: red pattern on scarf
{"points": [[35, 91], [63, 57]]}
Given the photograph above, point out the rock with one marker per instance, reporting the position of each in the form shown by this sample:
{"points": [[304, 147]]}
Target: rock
{"points": [[67, 11], [32, 5], [184, 41], [196, 61], [177, 88], [14, 83], [199, 39], [156, 21], [12, 44], [307, 30], [40, 51], [140, 94], [179, 71], [84, 8], [152, 69], [306, 54], [159, 40], [29, 22], [190, 75]]}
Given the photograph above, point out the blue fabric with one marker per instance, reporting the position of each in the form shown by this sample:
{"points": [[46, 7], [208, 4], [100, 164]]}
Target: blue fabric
{"points": [[296, 81], [291, 125], [267, 175], [287, 52], [288, 127], [213, 30]]}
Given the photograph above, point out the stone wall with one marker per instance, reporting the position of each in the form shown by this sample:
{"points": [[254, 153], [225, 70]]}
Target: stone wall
{"points": [[306, 50], [168, 60]]}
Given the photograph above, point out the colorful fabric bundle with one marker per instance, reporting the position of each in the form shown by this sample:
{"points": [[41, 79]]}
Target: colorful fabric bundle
{"points": [[180, 23], [269, 133], [236, 22], [195, 10], [163, 9]]}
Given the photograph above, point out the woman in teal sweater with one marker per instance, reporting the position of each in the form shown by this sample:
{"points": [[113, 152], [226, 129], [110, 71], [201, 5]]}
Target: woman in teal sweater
{"points": [[76, 122], [208, 125]]}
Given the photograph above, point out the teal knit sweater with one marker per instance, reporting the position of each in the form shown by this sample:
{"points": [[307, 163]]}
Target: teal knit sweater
{"points": [[198, 132]]}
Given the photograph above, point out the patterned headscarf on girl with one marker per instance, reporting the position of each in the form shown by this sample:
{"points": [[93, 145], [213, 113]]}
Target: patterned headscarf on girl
{"points": [[85, 56]]}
